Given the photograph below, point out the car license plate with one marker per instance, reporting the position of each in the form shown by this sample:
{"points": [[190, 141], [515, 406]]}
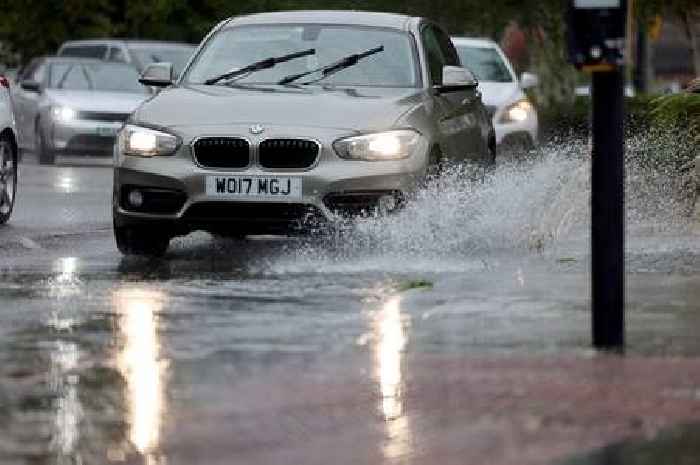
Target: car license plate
{"points": [[106, 131], [254, 186]]}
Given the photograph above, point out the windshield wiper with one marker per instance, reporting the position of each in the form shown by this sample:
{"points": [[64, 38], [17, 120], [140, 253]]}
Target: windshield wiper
{"points": [[259, 65], [328, 70]]}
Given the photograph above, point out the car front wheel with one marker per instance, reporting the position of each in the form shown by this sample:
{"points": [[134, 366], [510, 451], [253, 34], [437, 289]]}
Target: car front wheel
{"points": [[141, 241], [8, 178]]}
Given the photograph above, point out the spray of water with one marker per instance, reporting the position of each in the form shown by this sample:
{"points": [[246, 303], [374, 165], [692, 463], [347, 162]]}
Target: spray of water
{"points": [[525, 207]]}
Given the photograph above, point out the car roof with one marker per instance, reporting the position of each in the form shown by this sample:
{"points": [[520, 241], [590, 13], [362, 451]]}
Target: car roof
{"points": [[475, 42], [135, 42], [344, 17]]}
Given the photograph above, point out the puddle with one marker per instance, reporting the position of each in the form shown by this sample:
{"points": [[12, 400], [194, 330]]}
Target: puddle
{"points": [[677, 446]]}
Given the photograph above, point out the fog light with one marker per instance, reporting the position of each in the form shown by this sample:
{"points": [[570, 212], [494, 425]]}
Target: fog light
{"points": [[135, 198]]}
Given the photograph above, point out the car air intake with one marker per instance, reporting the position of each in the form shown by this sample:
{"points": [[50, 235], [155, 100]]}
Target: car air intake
{"points": [[288, 153], [222, 152]]}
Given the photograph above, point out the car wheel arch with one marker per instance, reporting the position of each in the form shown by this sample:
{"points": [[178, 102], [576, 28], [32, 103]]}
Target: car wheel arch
{"points": [[12, 137]]}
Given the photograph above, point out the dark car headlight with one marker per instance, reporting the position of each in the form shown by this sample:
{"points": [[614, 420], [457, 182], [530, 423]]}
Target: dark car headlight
{"points": [[387, 145], [146, 142]]}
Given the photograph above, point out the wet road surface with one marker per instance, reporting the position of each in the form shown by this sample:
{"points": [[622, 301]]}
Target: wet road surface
{"points": [[374, 350]]}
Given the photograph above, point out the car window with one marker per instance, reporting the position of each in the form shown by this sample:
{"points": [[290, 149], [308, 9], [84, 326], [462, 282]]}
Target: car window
{"points": [[28, 71], [434, 54], [84, 51], [178, 56], [236, 47], [117, 54], [68, 76], [95, 76], [446, 47], [39, 73], [485, 62], [114, 77]]}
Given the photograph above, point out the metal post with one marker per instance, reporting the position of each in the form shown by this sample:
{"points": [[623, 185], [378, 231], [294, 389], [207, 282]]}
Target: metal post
{"points": [[641, 71], [607, 210]]}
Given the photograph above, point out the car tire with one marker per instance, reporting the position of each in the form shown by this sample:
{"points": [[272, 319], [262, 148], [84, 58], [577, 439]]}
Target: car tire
{"points": [[140, 241], [436, 163], [8, 178], [45, 155], [491, 160]]}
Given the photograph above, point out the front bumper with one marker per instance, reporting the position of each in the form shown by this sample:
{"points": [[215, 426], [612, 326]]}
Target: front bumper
{"points": [[83, 137], [327, 187]]}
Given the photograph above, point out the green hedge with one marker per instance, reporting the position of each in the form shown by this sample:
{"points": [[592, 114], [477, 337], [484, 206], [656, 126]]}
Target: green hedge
{"points": [[573, 119], [678, 112], [662, 140]]}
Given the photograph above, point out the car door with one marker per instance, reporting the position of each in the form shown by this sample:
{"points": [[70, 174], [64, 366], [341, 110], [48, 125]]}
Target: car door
{"points": [[27, 102], [460, 110]]}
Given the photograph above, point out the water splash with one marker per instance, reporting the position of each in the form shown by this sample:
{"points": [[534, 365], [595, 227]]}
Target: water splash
{"points": [[464, 222]]}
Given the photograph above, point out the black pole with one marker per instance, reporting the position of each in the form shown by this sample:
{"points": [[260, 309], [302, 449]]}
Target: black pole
{"points": [[641, 71], [607, 210]]}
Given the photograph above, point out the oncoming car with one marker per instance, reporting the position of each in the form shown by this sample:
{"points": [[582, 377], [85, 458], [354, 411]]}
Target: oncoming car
{"points": [[75, 105], [285, 119], [514, 116], [8, 152]]}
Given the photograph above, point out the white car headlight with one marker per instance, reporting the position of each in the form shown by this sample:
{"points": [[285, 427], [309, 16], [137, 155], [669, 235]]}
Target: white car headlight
{"points": [[389, 145], [146, 142], [63, 113], [517, 112]]}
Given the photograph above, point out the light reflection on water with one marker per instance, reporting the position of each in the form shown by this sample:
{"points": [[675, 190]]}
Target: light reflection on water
{"points": [[66, 183], [66, 282], [142, 368], [63, 375], [68, 409], [389, 344]]}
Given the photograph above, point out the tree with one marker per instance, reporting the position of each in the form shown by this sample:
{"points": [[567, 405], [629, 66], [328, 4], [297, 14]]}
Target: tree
{"points": [[687, 12], [33, 28]]}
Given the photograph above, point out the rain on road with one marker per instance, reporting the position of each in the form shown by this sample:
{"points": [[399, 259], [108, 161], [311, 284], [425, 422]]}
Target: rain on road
{"points": [[431, 337]]}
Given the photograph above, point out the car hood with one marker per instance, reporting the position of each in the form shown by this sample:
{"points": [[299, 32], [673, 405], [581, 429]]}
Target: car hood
{"points": [[108, 102], [499, 94], [312, 106]]}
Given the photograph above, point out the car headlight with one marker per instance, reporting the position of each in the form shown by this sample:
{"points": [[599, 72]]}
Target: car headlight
{"points": [[517, 112], [389, 145], [146, 142], [63, 113]]}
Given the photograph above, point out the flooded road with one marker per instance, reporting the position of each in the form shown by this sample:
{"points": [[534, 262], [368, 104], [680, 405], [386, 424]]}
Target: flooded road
{"points": [[446, 334]]}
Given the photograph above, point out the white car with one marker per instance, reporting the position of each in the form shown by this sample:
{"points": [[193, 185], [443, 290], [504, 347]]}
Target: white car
{"points": [[8, 152], [514, 116]]}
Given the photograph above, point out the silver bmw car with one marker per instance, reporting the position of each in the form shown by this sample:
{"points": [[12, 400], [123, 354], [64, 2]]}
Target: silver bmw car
{"points": [[286, 120]]}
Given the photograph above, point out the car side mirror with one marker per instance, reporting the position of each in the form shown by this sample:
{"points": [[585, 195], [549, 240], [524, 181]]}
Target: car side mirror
{"points": [[456, 78], [529, 80], [157, 75], [30, 86]]}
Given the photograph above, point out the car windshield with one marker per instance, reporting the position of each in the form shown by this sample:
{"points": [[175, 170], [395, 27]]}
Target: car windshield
{"points": [[177, 55], [237, 47], [95, 76], [485, 62]]}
